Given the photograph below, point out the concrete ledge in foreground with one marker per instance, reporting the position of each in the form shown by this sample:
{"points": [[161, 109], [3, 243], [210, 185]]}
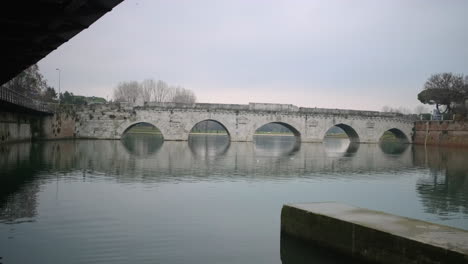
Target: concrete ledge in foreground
{"points": [[374, 236]]}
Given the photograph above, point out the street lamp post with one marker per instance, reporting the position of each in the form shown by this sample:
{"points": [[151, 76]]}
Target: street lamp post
{"points": [[58, 69]]}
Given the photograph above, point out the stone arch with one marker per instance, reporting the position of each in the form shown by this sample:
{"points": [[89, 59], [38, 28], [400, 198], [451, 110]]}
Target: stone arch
{"points": [[399, 134], [126, 126], [350, 132], [213, 120], [294, 130]]}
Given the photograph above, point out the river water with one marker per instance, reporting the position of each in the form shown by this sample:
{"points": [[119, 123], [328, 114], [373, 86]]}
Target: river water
{"points": [[142, 200]]}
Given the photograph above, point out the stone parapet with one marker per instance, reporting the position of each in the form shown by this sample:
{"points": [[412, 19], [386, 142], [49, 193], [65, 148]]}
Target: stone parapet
{"points": [[281, 108]]}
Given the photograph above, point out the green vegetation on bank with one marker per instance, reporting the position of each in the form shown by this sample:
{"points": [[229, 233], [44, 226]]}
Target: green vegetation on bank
{"points": [[389, 136], [273, 133], [70, 98], [144, 129], [336, 135]]}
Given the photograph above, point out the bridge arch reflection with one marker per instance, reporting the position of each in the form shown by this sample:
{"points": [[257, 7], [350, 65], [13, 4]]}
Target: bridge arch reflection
{"points": [[393, 148], [340, 148], [208, 147], [141, 145], [276, 146], [142, 139]]}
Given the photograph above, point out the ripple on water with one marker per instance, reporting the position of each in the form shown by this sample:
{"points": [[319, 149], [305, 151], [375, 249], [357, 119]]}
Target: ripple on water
{"points": [[206, 200]]}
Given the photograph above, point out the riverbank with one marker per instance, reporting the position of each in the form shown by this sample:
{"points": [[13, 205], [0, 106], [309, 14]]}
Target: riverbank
{"points": [[144, 130], [441, 133]]}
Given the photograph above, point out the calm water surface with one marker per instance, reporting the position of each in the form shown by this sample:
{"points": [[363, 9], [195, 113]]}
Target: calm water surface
{"points": [[141, 200]]}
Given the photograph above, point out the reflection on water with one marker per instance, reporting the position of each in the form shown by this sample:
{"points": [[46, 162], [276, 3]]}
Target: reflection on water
{"points": [[142, 145], [208, 146], [18, 189], [294, 251], [393, 148], [340, 147], [206, 200], [276, 146], [444, 190]]}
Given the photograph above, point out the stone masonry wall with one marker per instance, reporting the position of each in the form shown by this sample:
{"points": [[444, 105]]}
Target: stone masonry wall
{"points": [[19, 127], [110, 121], [60, 125], [442, 133], [14, 127], [241, 121]]}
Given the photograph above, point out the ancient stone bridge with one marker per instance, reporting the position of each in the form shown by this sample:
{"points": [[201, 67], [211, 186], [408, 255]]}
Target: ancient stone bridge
{"points": [[111, 121]]}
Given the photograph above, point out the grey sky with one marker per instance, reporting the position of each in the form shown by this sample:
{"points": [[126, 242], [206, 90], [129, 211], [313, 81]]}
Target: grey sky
{"points": [[336, 54]]}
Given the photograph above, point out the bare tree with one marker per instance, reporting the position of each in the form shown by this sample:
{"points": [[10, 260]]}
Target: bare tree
{"points": [[162, 93], [150, 90], [390, 109], [147, 89], [421, 109], [386, 108], [400, 110], [403, 110], [182, 95], [127, 92]]}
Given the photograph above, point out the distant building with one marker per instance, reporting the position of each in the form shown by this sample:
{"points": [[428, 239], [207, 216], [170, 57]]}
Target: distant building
{"points": [[94, 100]]}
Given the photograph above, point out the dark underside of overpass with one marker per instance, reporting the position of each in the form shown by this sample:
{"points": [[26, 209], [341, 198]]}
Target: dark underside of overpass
{"points": [[30, 30]]}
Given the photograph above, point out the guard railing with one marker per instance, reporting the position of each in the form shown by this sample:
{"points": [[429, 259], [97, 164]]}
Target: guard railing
{"points": [[13, 97]]}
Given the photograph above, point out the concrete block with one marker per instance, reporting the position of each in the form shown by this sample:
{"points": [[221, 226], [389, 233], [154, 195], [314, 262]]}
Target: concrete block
{"points": [[374, 236]]}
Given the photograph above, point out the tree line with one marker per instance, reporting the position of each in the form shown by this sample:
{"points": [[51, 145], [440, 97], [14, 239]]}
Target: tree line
{"points": [[447, 91], [31, 83], [150, 90], [420, 109]]}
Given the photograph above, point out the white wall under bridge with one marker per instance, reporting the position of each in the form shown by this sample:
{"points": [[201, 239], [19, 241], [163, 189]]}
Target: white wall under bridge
{"points": [[241, 121]]}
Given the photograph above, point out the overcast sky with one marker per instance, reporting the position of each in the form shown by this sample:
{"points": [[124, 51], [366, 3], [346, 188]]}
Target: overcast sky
{"points": [[335, 54]]}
